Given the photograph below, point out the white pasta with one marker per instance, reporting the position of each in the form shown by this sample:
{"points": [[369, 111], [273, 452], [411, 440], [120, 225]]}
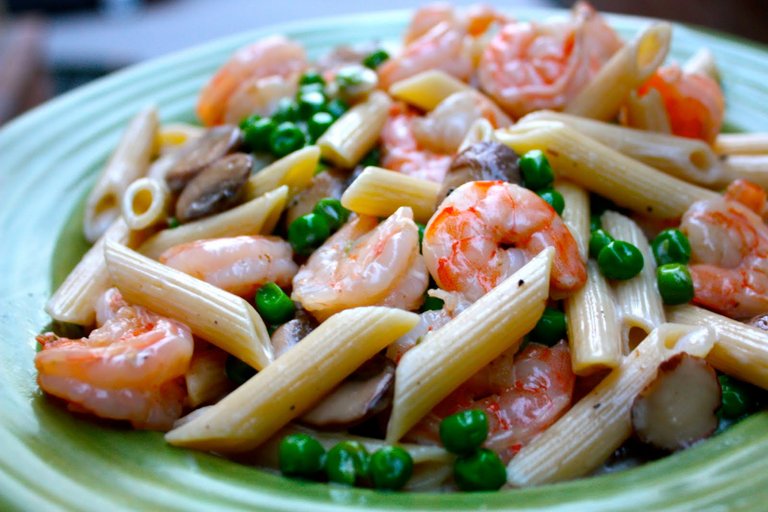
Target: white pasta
{"points": [[145, 203]]}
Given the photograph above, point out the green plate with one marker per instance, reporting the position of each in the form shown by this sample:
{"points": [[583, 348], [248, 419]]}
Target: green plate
{"points": [[50, 459]]}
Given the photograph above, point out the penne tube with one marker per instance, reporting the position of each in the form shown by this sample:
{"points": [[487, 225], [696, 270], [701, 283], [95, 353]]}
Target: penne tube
{"points": [[605, 171], [479, 131], [640, 307], [447, 357], [741, 144], [206, 378], [129, 162], [740, 350], [594, 333], [174, 135], [75, 299], [145, 203], [379, 192], [576, 214], [703, 61], [295, 381], [624, 72], [688, 159], [749, 167], [217, 316], [646, 112], [258, 215], [295, 170], [585, 436], [427, 89], [356, 132]]}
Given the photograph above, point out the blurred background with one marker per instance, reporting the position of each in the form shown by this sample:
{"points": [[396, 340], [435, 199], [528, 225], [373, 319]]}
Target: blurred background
{"points": [[50, 46]]}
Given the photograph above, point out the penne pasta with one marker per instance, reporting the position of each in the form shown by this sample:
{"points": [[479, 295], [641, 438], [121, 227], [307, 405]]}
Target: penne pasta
{"points": [[749, 167], [576, 214], [295, 170], [450, 355], [603, 170], [206, 379], [427, 89], [703, 61], [627, 69], [741, 144], [479, 131], [145, 203], [217, 316], [688, 159], [646, 112], [258, 215], [379, 192], [582, 439], [171, 136], [282, 391], [74, 300], [356, 132], [740, 349], [639, 304], [129, 162]]}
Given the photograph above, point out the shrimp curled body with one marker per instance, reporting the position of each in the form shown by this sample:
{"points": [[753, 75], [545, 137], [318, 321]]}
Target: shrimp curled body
{"points": [[486, 230], [127, 369]]}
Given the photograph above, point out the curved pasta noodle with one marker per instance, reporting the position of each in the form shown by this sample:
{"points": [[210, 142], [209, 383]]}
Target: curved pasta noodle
{"points": [[427, 89], [295, 170], [741, 144], [479, 131], [450, 355], [647, 112], [703, 61], [295, 381], [145, 203]]}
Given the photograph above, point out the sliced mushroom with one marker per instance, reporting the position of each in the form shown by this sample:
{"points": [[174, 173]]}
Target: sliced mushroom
{"points": [[678, 407], [330, 183], [363, 394], [482, 161], [760, 321], [193, 157], [292, 332], [216, 188]]}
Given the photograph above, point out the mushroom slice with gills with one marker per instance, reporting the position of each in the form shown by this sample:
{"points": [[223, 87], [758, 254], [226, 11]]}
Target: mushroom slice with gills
{"points": [[759, 321], [192, 158], [482, 161], [360, 396], [217, 188], [330, 183], [292, 332], [678, 407]]}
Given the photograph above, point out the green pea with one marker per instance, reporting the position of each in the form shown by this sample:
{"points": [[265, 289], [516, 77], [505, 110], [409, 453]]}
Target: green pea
{"points": [[238, 371], [318, 124], [348, 463], [479, 471], [536, 171], [301, 455], [321, 167], [308, 232], [172, 222], [737, 398], [550, 328], [310, 103], [464, 431], [336, 107], [350, 76], [311, 77], [375, 59], [248, 120], [620, 260], [305, 89], [285, 139], [391, 468], [287, 110], [674, 283], [671, 246], [258, 132], [274, 306], [554, 198], [595, 222], [421, 228], [432, 304], [335, 214], [598, 239], [372, 158]]}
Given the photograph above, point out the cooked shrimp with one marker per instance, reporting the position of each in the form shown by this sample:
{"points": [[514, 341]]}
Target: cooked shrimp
{"points": [[272, 56], [127, 369], [729, 257], [444, 129], [476, 18], [260, 96], [749, 194], [364, 264], [486, 230], [402, 152], [522, 394], [239, 265], [694, 102], [529, 66]]}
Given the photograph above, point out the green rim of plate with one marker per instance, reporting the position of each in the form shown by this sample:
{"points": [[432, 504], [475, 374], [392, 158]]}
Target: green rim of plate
{"points": [[50, 459]]}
